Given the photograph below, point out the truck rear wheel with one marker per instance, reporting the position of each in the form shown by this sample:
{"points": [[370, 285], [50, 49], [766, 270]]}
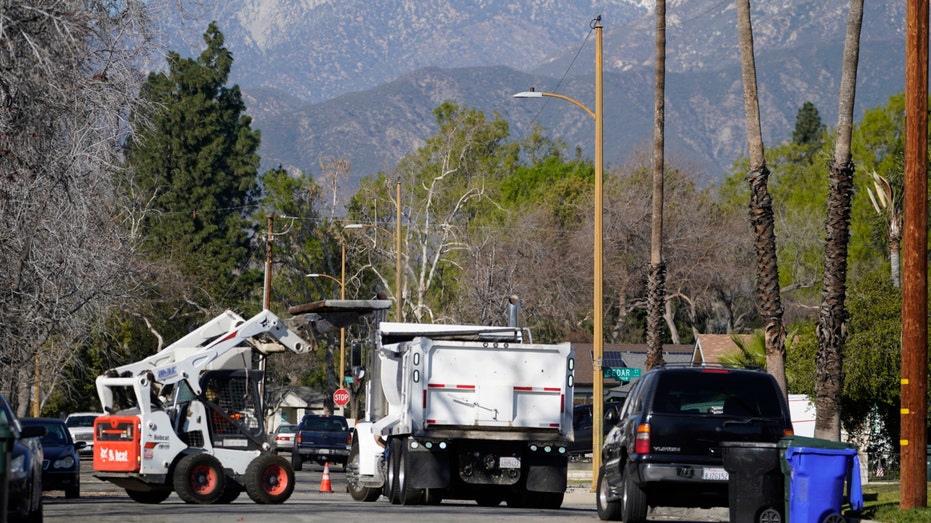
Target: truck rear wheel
{"points": [[269, 479], [149, 497], [407, 495], [354, 479], [391, 483], [199, 479], [297, 462]]}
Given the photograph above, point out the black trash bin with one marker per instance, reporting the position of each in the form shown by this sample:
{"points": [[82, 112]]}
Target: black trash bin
{"points": [[756, 484]]}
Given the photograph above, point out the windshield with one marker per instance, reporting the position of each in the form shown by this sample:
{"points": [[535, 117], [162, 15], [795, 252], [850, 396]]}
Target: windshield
{"points": [[324, 424], [81, 421], [727, 393], [55, 432]]}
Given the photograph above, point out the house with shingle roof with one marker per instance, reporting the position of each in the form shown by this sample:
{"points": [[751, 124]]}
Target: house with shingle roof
{"points": [[710, 347]]}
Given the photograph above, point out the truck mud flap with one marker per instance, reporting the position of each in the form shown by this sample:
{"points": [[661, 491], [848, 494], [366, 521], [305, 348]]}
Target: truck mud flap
{"points": [[429, 468], [547, 473]]}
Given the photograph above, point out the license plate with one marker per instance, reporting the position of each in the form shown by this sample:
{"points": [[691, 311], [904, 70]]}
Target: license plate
{"points": [[323, 451], [711, 473], [508, 462]]}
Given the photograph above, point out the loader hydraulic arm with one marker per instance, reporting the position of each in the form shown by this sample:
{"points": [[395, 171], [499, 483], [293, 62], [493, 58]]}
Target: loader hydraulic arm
{"points": [[224, 338]]}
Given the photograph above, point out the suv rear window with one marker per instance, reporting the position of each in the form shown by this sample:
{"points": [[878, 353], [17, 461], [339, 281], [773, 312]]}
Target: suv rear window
{"points": [[716, 392]]}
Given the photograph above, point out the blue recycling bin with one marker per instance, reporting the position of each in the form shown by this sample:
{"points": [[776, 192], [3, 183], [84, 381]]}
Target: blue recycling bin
{"points": [[817, 472]]}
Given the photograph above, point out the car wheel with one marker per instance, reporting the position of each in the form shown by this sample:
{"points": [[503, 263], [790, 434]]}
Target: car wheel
{"points": [[269, 479], [608, 510], [73, 492], [35, 516], [353, 478], [199, 479], [633, 500]]}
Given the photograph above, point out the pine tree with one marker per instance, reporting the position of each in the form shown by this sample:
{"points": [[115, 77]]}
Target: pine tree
{"points": [[195, 165], [808, 127]]}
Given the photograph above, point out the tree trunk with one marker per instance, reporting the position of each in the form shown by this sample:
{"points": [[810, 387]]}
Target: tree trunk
{"points": [[832, 319], [670, 317], [769, 303], [657, 279]]}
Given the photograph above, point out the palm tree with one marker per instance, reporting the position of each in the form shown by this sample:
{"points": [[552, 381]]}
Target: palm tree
{"points": [[752, 352], [832, 320], [656, 283], [768, 300]]}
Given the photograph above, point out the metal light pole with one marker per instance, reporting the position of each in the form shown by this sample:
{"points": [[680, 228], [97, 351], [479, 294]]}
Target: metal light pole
{"points": [[597, 329], [397, 246]]}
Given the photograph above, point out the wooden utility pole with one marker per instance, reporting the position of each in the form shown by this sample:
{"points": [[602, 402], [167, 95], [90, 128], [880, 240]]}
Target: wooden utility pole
{"points": [[914, 385], [267, 294]]}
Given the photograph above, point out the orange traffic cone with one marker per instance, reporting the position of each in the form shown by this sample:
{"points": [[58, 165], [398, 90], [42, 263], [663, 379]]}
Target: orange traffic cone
{"points": [[325, 481]]}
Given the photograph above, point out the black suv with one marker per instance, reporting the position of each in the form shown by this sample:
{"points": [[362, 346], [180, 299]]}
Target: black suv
{"points": [[665, 447]]}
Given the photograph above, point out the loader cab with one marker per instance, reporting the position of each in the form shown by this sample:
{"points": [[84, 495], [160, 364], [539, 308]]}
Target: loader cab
{"points": [[234, 408]]}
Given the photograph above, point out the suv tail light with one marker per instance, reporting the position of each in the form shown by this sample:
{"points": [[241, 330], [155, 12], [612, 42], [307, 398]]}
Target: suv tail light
{"points": [[642, 443]]}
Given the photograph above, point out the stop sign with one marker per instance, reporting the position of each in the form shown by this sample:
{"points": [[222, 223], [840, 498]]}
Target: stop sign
{"points": [[341, 397]]}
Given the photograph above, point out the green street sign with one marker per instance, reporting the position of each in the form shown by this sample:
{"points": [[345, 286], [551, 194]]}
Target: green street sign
{"points": [[621, 373]]}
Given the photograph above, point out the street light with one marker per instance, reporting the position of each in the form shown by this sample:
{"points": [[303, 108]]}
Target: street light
{"points": [[597, 334], [397, 258]]}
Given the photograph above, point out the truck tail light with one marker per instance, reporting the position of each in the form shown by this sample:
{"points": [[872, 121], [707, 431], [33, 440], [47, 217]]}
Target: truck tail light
{"points": [[297, 438], [642, 443]]}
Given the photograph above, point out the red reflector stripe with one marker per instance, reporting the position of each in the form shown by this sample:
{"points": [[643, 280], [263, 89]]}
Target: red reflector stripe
{"points": [[444, 386], [221, 340], [539, 389]]}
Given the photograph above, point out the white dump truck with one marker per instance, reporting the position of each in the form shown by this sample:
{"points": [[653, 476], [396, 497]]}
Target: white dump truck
{"points": [[464, 412]]}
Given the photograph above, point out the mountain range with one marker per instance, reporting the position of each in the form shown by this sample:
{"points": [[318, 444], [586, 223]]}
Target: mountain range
{"points": [[359, 79]]}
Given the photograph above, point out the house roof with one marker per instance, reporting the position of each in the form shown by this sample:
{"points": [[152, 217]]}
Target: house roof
{"points": [[632, 355], [710, 347]]}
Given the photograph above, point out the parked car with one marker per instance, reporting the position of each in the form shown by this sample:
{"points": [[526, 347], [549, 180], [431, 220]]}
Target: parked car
{"points": [[582, 422], [81, 427], [283, 438], [24, 476], [665, 449], [61, 465]]}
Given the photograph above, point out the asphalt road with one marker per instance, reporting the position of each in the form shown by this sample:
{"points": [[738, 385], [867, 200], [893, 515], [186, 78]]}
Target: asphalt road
{"points": [[102, 502]]}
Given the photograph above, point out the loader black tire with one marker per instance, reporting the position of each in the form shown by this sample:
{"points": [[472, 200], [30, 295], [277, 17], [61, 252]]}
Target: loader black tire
{"points": [[149, 497], [269, 479], [199, 479]]}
